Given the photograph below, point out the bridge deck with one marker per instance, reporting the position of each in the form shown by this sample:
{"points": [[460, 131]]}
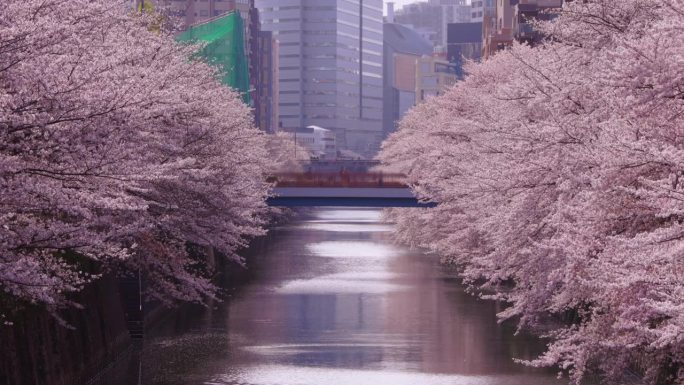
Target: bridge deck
{"points": [[345, 197]]}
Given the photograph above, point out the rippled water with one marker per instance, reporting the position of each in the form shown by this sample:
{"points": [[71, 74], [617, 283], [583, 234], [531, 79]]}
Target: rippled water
{"points": [[334, 302]]}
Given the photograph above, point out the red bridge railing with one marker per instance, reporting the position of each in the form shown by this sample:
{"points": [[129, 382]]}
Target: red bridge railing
{"points": [[339, 179]]}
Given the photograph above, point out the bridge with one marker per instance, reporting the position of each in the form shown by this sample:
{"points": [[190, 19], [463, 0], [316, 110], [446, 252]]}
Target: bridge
{"points": [[343, 189]]}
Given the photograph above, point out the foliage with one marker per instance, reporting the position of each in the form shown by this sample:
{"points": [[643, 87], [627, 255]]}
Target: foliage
{"points": [[282, 149], [559, 169], [116, 147]]}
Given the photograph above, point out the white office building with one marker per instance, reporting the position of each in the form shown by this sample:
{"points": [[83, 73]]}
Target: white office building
{"points": [[330, 67]]}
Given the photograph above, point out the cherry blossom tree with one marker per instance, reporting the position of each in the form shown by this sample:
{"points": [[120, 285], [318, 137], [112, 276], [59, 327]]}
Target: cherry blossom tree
{"points": [[557, 171], [287, 155], [116, 150]]}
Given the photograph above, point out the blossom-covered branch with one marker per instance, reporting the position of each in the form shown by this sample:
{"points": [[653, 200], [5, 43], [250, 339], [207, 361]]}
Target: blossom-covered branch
{"points": [[558, 171], [116, 148]]}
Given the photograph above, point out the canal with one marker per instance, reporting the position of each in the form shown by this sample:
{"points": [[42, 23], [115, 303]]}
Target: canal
{"points": [[332, 301]]}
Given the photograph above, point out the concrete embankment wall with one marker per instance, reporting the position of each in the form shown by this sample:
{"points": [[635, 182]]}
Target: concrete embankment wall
{"points": [[37, 350]]}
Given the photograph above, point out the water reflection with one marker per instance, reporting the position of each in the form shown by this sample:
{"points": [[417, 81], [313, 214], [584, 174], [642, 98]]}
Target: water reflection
{"points": [[352, 249], [350, 227], [290, 375], [340, 284], [338, 307], [364, 267], [353, 215]]}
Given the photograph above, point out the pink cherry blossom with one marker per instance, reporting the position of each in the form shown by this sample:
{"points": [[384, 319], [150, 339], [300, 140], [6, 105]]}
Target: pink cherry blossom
{"points": [[115, 148], [559, 173]]}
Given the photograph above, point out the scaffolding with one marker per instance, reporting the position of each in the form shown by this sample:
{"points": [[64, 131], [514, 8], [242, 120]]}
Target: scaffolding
{"points": [[224, 47]]}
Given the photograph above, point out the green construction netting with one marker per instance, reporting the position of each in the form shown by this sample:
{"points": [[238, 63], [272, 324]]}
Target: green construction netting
{"points": [[225, 48]]}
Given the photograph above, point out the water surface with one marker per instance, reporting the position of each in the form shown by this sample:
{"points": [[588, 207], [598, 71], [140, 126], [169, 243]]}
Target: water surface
{"points": [[333, 302]]}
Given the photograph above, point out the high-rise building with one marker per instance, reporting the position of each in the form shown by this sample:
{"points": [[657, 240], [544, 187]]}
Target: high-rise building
{"points": [[266, 84], [263, 73], [330, 54]]}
